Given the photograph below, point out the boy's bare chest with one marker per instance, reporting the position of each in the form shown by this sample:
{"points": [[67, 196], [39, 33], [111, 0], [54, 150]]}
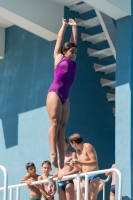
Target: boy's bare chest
{"points": [[33, 178], [82, 156], [45, 178]]}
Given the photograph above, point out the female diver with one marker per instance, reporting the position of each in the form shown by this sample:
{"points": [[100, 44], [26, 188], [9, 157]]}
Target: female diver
{"points": [[57, 102]]}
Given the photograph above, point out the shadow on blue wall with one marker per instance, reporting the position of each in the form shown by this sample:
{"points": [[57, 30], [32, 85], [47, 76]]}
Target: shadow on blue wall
{"points": [[125, 198], [25, 75]]}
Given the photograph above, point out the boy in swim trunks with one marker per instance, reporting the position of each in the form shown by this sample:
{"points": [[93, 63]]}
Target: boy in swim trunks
{"points": [[44, 187], [87, 158], [29, 178], [66, 187], [112, 189]]}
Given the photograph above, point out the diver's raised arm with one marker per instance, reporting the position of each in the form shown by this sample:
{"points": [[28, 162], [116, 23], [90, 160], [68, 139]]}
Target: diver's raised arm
{"points": [[73, 24], [60, 36]]}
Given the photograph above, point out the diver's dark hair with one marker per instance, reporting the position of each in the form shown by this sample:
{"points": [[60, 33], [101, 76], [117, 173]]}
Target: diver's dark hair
{"points": [[29, 164], [46, 162], [67, 46]]}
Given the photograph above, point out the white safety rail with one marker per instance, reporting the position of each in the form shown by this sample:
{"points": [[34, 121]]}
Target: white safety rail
{"points": [[105, 181], [5, 182], [78, 176]]}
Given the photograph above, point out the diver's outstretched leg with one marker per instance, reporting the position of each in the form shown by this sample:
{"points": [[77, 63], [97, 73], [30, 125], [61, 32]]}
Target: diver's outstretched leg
{"points": [[54, 108], [60, 140]]}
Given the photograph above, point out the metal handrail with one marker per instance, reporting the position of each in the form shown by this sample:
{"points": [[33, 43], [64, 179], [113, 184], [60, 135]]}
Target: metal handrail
{"points": [[106, 180], [44, 181], [86, 174], [5, 182]]}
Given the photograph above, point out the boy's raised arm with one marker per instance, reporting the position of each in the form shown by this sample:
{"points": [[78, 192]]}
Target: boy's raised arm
{"points": [[25, 179], [110, 173]]}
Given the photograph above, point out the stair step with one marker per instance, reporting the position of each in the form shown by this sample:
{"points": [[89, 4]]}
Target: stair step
{"points": [[114, 111], [108, 83], [106, 69], [94, 38], [84, 35], [88, 23], [90, 50], [82, 8], [71, 2], [110, 97], [102, 53]]}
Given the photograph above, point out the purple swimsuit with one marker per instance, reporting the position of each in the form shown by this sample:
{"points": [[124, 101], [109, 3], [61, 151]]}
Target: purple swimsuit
{"points": [[64, 75]]}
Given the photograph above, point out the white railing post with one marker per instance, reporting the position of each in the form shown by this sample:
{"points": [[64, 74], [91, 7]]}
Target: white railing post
{"points": [[17, 193], [120, 185], [11, 193], [86, 187], [104, 192], [5, 182], [86, 174], [78, 186]]}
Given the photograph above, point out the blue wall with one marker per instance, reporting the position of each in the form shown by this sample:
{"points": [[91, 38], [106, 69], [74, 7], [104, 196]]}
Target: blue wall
{"points": [[25, 75], [124, 108]]}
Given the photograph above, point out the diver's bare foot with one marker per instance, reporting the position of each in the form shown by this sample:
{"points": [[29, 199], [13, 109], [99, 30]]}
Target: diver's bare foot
{"points": [[54, 159], [61, 161]]}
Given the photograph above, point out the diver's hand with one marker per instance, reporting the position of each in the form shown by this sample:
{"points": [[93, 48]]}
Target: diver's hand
{"points": [[72, 22], [64, 22]]}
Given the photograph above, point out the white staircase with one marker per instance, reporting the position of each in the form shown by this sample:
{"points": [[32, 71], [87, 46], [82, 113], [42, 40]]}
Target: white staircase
{"points": [[106, 69], [107, 83], [81, 8], [88, 23], [94, 39], [110, 97], [114, 111], [101, 53]]}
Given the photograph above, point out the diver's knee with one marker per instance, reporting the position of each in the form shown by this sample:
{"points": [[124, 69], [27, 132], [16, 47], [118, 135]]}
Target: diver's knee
{"points": [[55, 122], [63, 124]]}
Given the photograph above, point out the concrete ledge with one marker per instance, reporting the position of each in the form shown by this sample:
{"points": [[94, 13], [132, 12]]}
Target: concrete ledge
{"points": [[2, 42], [41, 17], [113, 9]]}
